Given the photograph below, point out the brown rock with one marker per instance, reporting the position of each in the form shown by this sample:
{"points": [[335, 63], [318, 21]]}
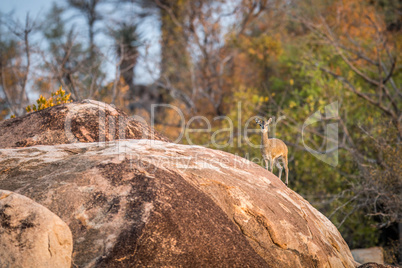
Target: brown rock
{"points": [[368, 255], [152, 203], [85, 121], [31, 235]]}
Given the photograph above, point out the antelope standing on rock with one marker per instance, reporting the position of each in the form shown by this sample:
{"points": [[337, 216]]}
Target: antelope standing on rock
{"points": [[273, 149]]}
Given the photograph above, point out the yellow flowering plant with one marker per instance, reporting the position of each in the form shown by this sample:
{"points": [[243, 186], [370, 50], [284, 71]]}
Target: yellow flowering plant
{"points": [[57, 98]]}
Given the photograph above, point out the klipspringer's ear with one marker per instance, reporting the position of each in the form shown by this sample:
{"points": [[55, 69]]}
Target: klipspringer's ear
{"points": [[269, 121]]}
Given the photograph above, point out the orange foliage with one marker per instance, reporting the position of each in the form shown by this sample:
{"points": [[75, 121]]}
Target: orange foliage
{"points": [[357, 25]]}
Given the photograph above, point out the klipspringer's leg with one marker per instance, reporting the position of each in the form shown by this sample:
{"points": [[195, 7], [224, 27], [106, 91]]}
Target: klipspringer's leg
{"points": [[285, 163], [266, 164], [272, 162], [278, 165]]}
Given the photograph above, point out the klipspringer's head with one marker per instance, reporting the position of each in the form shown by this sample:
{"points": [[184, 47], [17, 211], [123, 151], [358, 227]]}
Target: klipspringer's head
{"points": [[263, 124]]}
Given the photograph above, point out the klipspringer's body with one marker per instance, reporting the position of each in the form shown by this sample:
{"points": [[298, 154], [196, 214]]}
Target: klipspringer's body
{"points": [[272, 150]]}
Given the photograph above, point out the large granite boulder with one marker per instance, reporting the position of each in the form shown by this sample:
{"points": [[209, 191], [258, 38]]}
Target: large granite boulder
{"points": [[31, 235], [147, 203], [85, 121]]}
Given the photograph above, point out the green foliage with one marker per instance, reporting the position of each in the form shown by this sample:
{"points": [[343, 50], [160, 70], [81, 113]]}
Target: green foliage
{"points": [[55, 28]]}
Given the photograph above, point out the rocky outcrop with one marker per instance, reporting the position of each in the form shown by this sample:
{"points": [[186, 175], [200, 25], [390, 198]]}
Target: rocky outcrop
{"points": [[85, 121], [152, 203], [31, 235], [365, 255]]}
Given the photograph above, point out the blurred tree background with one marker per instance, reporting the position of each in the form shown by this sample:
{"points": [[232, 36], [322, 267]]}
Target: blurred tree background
{"points": [[238, 59]]}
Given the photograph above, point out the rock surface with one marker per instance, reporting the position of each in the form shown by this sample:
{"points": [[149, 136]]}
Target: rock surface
{"points": [[85, 121], [151, 203], [31, 235], [364, 255]]}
